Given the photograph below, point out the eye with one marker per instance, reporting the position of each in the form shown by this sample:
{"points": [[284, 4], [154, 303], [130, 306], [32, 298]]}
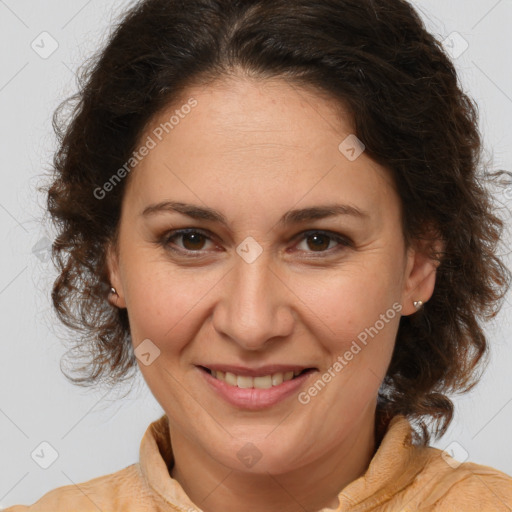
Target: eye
{"points": [[193, 240], [323, 241]]}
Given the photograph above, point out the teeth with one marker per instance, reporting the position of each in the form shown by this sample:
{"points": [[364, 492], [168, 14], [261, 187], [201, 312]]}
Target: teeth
{"points": [[277, 379], [264, 382]]}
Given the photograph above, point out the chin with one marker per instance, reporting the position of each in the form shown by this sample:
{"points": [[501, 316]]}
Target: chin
{"points": [[257, 455]]}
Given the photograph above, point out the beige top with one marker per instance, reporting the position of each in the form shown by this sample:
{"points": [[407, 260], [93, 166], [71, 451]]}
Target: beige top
{"points": [[401, 477]]}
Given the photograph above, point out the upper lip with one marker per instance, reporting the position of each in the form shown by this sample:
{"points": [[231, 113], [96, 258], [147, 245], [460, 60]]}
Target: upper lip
{"points": [[256, 372]]}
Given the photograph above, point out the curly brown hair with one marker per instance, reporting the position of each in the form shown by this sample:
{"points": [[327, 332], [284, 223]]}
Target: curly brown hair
{"points": [[376, 58]]}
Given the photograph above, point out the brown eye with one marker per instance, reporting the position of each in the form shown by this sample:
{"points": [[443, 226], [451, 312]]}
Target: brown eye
{"points": [[193, 241], [322, 242], [319, 242]]}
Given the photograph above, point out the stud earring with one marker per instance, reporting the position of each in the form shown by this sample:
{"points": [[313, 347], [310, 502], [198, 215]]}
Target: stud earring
{"points": [[113, 291], [418, 304]]}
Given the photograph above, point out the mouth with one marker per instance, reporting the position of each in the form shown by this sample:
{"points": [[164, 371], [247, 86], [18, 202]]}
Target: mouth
{"points": [[264, 381]]}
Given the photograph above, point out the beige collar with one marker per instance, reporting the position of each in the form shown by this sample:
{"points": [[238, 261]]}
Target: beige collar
{"points": [[394, 465]]}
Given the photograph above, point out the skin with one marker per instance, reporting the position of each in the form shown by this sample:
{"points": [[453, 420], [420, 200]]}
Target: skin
{"points": [[253, 150]]}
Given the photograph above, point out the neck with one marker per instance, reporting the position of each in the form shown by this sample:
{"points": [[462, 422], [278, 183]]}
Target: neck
{"points": [[213, 487]]}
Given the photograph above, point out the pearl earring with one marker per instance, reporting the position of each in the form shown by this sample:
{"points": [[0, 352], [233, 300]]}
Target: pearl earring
{"points": [[418, 304]]}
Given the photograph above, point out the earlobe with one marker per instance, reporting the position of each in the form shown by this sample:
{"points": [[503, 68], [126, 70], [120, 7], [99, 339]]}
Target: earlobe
{"points": [[115, 294], [420, 278]]}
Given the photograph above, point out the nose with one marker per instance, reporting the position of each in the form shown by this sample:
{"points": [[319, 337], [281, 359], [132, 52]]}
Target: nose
{"points": [[255, 307]]}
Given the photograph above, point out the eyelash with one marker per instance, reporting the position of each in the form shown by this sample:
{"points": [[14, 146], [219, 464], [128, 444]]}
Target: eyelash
{"points": [[165, 240]]}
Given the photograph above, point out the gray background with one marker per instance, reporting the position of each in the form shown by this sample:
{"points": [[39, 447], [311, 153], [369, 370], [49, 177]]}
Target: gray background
{"points": [[95, 433]]}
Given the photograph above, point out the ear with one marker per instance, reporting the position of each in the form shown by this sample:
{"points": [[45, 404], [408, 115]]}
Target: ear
{"points": [[420, 273], [114, 276]]}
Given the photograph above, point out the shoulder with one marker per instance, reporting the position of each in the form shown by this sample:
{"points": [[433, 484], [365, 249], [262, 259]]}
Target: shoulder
{"points": [[447, 484], [477, 487], [116, 491]]}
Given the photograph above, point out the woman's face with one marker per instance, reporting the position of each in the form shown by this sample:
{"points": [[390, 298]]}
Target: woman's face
{"points": [[278, 283]]}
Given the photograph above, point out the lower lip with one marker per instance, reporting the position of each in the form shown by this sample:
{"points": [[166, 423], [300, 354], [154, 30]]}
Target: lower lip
{"points": [[252, 398]]}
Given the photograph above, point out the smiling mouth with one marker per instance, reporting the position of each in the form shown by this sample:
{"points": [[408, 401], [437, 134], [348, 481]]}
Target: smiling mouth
{"points": [[263, 382]]}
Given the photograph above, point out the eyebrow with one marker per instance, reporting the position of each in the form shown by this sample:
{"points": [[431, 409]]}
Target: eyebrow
{"points": [[291, 217]]}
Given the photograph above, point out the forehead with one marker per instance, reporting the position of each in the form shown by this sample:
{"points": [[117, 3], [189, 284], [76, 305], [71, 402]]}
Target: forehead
{"points": [[266, 142]]}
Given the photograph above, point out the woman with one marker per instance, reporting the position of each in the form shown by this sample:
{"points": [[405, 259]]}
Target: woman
{"points": [[273, 209]]}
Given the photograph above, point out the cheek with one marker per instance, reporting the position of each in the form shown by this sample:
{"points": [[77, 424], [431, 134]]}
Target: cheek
{"points": [[349, 301], [164, 302], [358, 316]]}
